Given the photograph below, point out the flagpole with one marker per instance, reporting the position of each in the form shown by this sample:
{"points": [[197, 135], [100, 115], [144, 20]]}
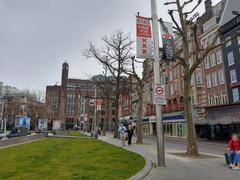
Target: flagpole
{"points": [[157, 81]]}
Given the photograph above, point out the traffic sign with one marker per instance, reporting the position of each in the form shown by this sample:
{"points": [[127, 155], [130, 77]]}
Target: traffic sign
{"points": [[92, 102], [159, 94]]}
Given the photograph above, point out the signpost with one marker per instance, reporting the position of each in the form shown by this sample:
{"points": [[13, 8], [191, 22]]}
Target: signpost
{"points": [[159, 94], [92, 102], [157, 80]]}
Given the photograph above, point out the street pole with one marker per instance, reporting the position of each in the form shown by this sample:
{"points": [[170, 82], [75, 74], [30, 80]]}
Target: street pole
{"points": [[157, 80], [2, 108]]}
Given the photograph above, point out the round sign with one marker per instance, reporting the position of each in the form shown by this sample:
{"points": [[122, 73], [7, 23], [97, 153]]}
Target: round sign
{"points": [[92, 103], [159, 91]]}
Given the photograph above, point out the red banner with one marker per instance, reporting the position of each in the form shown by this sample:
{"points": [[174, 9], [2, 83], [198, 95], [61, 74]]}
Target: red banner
{"points": [[144, 37]]}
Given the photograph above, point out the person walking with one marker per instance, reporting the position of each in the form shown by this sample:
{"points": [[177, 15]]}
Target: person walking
{"points": [[130, 134], [234, 152], [122, 131]]}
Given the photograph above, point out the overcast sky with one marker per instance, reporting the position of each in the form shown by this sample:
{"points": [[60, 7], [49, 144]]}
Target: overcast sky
{"points": [[37, 36]]}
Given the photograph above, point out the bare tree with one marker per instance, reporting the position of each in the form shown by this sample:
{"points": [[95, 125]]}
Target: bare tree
{"points": [[138, 83], [183, 26], [115, 55]]}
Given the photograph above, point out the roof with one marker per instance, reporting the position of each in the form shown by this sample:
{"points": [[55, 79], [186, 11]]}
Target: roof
{"points": [[231, 5], [215, 11]]}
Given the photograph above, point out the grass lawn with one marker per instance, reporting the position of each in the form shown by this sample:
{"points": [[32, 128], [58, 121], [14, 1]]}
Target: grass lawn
{"points": [[59, 158], [75, 133]]}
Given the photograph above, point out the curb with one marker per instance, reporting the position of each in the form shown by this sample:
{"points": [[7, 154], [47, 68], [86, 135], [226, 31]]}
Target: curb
{"points": [[203, 153], [26, 142], [144, 172], [62, 136]]}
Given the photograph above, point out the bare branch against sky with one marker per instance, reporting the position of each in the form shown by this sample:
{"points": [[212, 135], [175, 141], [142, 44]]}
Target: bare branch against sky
{"points": [[36, 36]]}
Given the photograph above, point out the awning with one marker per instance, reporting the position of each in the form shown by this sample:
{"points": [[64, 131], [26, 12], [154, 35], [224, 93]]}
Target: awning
{"points": [[174, 117], [224, 120], [200, 122]]}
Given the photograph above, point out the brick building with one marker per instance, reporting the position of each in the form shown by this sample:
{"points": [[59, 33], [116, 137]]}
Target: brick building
{"points": [[69, 103]]}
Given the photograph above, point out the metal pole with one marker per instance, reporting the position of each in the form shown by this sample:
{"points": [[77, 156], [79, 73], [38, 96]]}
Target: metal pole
{"points": [[157, 80], [2, 116], [5, 120], [95, 114]]}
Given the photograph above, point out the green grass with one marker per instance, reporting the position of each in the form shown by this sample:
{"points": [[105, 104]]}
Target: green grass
{"points": [[59, 158], [75, 133]]}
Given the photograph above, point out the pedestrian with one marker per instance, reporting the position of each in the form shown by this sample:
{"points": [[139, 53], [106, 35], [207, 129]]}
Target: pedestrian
{"points": [[122, 131], [130, 134], [234, 152]]}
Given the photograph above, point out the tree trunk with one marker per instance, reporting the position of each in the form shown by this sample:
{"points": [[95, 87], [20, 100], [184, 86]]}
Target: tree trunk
{"points": [[116, 123], [139, 117], [106, 119], [192, 148]]}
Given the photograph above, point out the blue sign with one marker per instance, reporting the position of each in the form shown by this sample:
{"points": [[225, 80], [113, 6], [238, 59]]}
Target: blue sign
{"points": [[22, 121]]}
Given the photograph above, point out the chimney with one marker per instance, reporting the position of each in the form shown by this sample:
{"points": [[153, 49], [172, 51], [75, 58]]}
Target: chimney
{"points": [[208, 5]]}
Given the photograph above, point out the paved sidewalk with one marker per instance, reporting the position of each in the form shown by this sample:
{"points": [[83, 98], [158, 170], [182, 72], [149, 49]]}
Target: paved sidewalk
{"points": [[180, 168]]}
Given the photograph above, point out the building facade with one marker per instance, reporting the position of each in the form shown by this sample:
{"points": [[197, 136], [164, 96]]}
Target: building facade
{"points": [[70, 103]]}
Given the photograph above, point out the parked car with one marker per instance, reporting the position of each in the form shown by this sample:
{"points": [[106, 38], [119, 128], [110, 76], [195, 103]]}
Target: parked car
{"points": [[17, 132]]}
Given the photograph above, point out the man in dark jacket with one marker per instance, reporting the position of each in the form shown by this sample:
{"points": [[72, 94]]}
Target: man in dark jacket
{"points": [[130, 134]]}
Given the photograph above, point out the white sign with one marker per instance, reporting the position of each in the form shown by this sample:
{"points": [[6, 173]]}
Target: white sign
{"points": [[144, 37], [56, 125], [159, 94], [92, 102], [42, 124], [99, 104]]}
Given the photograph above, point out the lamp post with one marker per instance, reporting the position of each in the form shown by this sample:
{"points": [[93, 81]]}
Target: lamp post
{"points": [[157, 80]]}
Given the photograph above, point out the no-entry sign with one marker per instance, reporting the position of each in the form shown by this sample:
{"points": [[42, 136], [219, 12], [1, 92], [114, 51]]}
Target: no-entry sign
{"points": [[159, 94], [92, 102]]}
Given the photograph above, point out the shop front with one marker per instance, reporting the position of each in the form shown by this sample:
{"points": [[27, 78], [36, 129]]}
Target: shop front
{"points": [[174, 124]]}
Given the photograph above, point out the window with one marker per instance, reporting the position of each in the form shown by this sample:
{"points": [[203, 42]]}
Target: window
{"points": [[212, 60], [223, 98], [103, 113], [206, 62], [192, 99], [233, 76], [208, 79], [176, 87], [170, 76], [228, 43], [113, 112], [217, 98], [214, 79], [221, 79], [210, 100], [113, 104], [238, 39], [172, 89], [230, 58], [219, 56], [198, 77], [204, 43], [235, 93]]}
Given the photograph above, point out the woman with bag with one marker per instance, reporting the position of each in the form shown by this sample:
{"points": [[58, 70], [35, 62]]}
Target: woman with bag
{"points": [[234, 152]]}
